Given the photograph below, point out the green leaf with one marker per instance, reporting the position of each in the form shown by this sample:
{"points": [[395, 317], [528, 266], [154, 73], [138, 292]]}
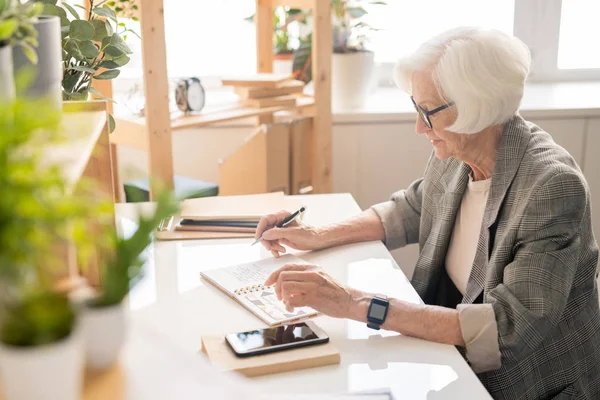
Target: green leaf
{"points": [[8, 28], [111, 3], [53, 2], [82, 68], [114, 51], [72, 49], [30, 53], [121, 61], [111, 123], [356, 12], [88, 49], [100, 96], [110, 74], [118, 42], [109, 64], [106, 12], [51, 9], [81, 30], [71, 10], [381, 3], [100, 31], [136, 19], [109, 28]]}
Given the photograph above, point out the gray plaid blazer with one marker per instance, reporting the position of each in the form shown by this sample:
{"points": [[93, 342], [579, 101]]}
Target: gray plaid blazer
{"points": [[535, 262]]}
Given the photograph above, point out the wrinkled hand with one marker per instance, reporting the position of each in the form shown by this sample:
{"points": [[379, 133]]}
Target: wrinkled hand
{"points": [[299, 285], [296, 234]]}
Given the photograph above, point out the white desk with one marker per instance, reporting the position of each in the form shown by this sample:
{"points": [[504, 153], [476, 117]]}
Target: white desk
{"points": [[173, 300]]}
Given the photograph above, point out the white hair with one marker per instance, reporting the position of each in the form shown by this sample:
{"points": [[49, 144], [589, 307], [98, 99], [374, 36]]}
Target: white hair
{"points": [[482, 70]]}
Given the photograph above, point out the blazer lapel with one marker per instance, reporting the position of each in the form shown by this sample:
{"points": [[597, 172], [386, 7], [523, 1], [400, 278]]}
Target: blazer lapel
{"points": [[512, 149]]}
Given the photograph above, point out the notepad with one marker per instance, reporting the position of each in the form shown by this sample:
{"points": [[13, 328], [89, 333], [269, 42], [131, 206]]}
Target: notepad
{"points": [[236, 208], [244, 283]]}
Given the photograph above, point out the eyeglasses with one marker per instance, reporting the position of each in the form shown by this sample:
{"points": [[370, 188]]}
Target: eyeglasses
{"points": [[424, 114]]}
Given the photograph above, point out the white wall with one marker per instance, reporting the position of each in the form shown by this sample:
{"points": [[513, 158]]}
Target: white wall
{"points": [[371, 160]]}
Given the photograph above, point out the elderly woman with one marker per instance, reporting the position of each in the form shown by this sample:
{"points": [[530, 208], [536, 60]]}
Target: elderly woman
{"points": [[502, 217]]}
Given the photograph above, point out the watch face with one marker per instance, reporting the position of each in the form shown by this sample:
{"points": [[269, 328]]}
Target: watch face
{"points": [[195, 96], [377, 311]]}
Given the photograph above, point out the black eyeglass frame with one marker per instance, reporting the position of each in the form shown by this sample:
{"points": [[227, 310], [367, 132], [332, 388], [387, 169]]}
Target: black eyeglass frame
{"points": [[425, 114]]}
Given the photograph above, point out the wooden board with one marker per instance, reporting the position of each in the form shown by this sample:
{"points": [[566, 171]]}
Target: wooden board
{"points": [[156, 89], [301, 138], [260, 165], [291, 3], [323, 122], [289, 87], [284, 101], [222, 356], [263, 21], [269, 80]]}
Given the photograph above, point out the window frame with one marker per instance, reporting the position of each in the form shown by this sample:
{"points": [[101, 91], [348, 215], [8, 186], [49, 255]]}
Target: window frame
{"points": [[537, 23]]}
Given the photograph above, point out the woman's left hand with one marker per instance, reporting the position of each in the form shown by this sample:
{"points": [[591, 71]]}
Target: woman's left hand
{"points": [[300, 285]]}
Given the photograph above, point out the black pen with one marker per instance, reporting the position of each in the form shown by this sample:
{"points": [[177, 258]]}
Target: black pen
{"points": [[283, 223]]}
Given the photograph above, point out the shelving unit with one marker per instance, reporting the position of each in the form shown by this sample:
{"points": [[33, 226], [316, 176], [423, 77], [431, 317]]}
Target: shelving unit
{"points": [[84, 154], [153, 133]]}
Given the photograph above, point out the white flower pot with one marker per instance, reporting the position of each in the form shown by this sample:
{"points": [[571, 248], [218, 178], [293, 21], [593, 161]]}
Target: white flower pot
{"points": [[48, 372], [283, 64], [351, 79], [7, 82], [48, 71], [104, 333]]}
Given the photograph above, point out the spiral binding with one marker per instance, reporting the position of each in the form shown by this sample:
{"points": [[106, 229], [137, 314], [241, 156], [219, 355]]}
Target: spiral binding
{"points": [[253, 288]]}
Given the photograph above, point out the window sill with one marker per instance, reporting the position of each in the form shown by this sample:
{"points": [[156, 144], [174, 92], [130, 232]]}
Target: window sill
{"points": [[541, 100]]}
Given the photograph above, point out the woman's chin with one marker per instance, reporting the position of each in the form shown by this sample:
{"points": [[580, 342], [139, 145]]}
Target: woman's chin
{"points": [[441, 153]]}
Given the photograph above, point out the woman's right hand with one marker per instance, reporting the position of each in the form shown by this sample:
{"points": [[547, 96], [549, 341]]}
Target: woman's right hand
{"points": [[296, 234]]}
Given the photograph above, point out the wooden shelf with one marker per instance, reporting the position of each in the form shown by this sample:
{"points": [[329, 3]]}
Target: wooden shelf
{"points": [[131, 132], [82, 126]]}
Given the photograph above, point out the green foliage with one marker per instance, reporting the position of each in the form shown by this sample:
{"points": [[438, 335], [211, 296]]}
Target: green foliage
{"points": [[123, 270], [37, 213], [16, 26], [39, 319], [350, 34], [282, 18], [92, 39]]}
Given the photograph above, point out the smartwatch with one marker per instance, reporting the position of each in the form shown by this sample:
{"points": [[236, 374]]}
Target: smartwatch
{"points": [[377, 311]]}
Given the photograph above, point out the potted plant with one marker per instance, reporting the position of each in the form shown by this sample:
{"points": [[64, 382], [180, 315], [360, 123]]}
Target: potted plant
{"points": [[41, 346], [283, 46], [352, 63], [104, 322], [93, 46], [16, 30]]}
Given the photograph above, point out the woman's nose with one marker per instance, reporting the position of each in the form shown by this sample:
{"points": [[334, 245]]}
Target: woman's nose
{"points": [[420, 126]]}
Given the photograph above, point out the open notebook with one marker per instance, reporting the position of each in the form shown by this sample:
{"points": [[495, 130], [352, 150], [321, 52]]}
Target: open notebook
{"points": [[244, 283]]}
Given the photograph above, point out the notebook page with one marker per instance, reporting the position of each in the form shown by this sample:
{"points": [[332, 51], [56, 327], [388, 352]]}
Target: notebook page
{"points": [[253, 273], [245, 282]]}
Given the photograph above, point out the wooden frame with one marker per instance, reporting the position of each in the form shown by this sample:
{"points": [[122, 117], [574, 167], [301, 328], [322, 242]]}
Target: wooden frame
{"points": [[321, 72], [154, 133]]}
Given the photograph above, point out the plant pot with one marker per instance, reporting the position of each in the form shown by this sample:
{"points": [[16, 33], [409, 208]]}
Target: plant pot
{"points": [[104, 334], [7, 82], [48, 71], [283, 63], [48, 372], [351, 79]]}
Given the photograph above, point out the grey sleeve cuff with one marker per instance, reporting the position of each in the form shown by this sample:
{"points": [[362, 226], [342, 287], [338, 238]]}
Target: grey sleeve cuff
{"points": [[480, 333], [393, 225]]}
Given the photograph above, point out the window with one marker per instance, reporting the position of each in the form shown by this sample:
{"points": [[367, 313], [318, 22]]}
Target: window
{"points": [[578, 27], [405, 24], [210, 38]]}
